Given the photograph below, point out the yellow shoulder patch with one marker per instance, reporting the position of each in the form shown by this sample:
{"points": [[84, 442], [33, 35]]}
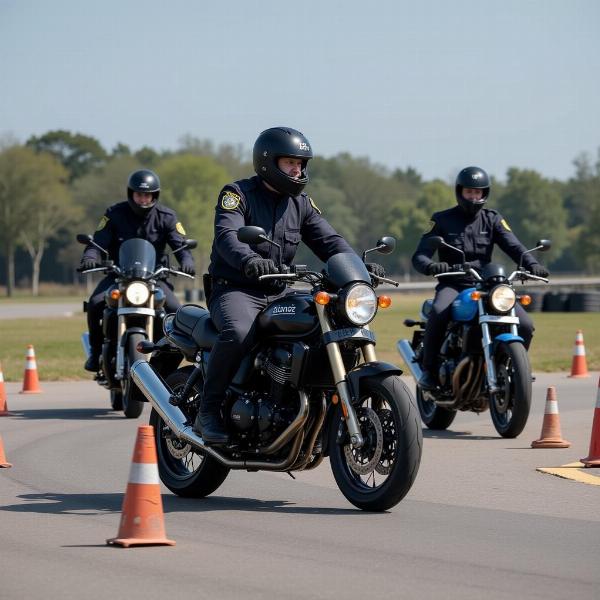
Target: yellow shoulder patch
{"points": [[102, 224], [505, 225], [230, 200], [312, 203], [180, 228]]}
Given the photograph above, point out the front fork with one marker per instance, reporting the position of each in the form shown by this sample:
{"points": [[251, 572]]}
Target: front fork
{"points": [[339, 376], [487, 342]]}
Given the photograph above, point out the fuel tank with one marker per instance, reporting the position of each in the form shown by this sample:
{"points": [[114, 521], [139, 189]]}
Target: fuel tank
{"points": [[464, 308], [292, 315]]}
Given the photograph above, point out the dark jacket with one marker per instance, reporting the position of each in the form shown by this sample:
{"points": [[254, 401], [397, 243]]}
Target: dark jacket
{"points": [[474, 236], [287, 220], [119, 223]]}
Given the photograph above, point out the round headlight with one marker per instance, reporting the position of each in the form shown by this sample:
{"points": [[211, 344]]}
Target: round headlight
{"points": [[137, 293], [502, 298], [360, 304]]}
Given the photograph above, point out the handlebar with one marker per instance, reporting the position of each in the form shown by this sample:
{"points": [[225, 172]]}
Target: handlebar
{"points": [[519, 273]]}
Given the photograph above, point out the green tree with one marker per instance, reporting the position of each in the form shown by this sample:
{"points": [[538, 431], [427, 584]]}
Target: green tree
{"points": [[79, 153], [534, 209]]}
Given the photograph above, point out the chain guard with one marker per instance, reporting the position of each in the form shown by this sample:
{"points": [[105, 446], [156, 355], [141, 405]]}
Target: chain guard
{"points": [[365, 460]]}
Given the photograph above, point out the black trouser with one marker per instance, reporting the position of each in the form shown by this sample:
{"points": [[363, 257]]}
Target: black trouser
{"points": [[440, 317], [96, 306], [233, 311]]}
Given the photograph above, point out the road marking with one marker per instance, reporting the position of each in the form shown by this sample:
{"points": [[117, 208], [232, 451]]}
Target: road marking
{"points": [[571, 471]]}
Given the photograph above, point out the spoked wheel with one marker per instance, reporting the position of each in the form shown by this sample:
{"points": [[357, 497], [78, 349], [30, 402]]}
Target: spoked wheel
{"points": [[378, 475], [509, 407], [185, 471], [434, 416]]}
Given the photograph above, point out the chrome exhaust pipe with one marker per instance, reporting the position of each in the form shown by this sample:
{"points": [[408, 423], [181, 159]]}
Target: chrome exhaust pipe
{"points": [[408, 355], [158, 394]]}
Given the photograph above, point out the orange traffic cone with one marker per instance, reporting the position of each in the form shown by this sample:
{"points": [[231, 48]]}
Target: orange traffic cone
{"points": [[3, 462], [31, 384], [3, 405], [593, 458], [579, 364], [142, 521], [551, 437]]}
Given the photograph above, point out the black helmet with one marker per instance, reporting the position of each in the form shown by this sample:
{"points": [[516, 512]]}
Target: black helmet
{"points": [[270, 146], [472, 177], [144, 181]]}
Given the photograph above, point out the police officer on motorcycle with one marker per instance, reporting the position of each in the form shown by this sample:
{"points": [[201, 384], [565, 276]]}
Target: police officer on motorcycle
{"points": [[274, 200], [474, 230], [139, 217]]}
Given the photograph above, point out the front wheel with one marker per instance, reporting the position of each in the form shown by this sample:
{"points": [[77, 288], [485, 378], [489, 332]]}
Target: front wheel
{"points": [[378, 475], [510, 405], [186, 472], [132, 407], [434, 416]]}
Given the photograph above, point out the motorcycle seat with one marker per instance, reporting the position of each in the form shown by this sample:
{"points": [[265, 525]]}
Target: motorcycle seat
{"points": [[195, 322]]}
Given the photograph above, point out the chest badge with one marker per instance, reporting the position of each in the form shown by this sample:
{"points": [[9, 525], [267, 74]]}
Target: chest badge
{"points": [[230, 200]]}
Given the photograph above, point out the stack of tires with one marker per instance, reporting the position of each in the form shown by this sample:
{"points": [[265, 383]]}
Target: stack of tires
{"points": [[584, 302], [563, 301], [555, 302]]}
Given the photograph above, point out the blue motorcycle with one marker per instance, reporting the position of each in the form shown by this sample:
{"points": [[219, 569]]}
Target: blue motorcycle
{"points": [[483, 362]]}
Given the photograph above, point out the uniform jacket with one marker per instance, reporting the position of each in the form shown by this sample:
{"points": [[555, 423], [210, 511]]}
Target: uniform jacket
{"points": [[474, 236], [287, 220], [119, 223]]}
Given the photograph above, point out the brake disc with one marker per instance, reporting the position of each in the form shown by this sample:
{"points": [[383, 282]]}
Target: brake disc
{"points": [[389, 442], [177, 448], [364, 460]]}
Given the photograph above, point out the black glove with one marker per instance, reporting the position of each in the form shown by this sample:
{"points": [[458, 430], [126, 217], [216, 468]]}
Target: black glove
{"points": [[187, 267], [538, 270], [436, 268], [256, 267], [375, 269], [86, 264]]}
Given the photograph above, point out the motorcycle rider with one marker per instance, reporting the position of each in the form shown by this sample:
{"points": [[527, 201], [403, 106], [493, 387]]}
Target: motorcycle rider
{"points": [[274, 200], [473, 229], [139, 216]]}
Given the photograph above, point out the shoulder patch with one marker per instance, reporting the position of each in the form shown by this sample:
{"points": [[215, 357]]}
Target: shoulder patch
{"points": [[312, 203], [505, 225], [230, 200], [102, 224], [179, 228]]}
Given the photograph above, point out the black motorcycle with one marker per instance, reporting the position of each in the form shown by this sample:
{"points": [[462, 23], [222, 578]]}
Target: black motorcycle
{"points": [[483, 362], [134, 305], [312, 387]]}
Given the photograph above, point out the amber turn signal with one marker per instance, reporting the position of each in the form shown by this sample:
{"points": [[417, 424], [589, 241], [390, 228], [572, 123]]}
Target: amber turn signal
{"points": [[475, 296], [525, 300], [322, 298], [115, 294], [384, 301]]}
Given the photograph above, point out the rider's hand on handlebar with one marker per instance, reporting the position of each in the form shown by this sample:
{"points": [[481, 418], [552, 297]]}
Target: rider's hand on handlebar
{"points": [[86, 264], [375, 269], [187, 267], [437, 268], [538, 270], [256, 267]]}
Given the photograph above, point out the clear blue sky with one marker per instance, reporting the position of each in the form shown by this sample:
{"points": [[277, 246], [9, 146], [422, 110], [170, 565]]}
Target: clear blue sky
{"points": [[432, 84]]}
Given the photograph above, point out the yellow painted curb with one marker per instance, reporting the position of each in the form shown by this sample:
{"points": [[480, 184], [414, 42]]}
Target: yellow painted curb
{"points": [[571, 471]]}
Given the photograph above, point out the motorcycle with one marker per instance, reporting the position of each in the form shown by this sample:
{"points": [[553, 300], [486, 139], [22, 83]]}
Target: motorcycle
{"points": [[133, 304], [311, 387], [482, 361]]}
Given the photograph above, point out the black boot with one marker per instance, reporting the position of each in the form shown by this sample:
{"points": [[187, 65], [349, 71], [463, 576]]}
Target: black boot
{"points": [[427, 381], [209, 425], [92, 363]]}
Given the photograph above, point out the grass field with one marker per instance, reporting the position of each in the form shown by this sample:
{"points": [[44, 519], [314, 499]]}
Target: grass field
{"points": [[59, 353]]}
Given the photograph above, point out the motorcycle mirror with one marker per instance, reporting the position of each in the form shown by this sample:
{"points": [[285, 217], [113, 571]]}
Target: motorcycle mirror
{"points": [[84, 238], [251, 234], [191, 244], [386, 245], [544, 245], [434, 242]]}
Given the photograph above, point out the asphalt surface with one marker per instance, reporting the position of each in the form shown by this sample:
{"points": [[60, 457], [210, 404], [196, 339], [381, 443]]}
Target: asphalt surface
{"points": [[480, 521]]}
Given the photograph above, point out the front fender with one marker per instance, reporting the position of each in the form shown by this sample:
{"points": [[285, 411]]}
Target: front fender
{"points": [[507, 338], [370, 369]]}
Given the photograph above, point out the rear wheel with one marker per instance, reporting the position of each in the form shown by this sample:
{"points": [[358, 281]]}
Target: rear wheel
{"points": [[132, 406], [378, 475], [434, 416], [185, 471], [116, 399], [509, 407]]}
